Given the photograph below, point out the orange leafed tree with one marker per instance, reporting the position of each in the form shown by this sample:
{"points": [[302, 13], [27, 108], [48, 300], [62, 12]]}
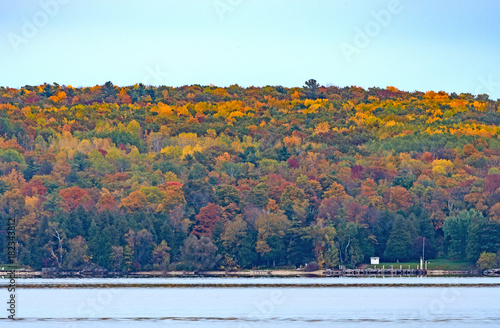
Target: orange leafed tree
{"points": [[135, 201], [398, 198], [123, 97], [106, 203], [14, 180], [173, 196], [336, 190]]}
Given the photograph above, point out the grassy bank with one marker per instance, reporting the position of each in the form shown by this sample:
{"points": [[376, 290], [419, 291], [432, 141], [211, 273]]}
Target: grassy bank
{"points": [[434, 264]]}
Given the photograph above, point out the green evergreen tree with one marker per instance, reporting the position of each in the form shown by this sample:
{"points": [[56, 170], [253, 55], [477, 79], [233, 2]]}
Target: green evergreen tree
{"points": [[399, 245], [456, 232]]}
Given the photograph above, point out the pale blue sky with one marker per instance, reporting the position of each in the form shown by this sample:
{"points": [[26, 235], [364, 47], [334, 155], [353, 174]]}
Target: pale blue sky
{"points": [[422, 45]]}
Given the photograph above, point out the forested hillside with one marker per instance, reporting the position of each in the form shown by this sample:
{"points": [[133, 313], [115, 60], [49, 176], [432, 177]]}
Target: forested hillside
{"points": [[203, 177]]}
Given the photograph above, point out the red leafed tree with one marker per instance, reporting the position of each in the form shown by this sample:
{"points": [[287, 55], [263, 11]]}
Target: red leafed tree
{"points": [[356, 212], [427, 157], [492, 182], [356, 172], [330, 209], [276, 186], [75, 197], [205, 220], [102, 151], [34, 187], [292, 163]]}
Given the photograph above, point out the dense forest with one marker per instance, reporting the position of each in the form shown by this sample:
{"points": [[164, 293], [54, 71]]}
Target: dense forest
{"points": [[204, 177]]}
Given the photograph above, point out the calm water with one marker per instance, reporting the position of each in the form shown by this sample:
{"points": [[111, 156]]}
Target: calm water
{"points": [[256, 302]]}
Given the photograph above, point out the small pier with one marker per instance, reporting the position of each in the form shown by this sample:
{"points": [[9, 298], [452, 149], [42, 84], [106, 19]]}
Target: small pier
{"points": [[375, 272]]}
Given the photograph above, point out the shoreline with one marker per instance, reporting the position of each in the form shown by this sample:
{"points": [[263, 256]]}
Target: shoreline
{"points": [[276, 273]]}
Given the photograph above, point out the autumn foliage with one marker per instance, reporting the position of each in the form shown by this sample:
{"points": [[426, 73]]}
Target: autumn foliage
{"points": [[133, 177]]}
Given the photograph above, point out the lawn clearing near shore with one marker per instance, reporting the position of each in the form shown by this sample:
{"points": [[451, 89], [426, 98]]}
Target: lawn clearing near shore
{"points": [[433, 264]]}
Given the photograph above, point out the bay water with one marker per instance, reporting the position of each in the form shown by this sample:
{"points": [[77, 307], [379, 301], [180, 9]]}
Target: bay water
{"points": [[255, 302]]}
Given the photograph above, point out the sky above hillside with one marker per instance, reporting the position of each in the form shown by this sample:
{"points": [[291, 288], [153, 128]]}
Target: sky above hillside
{"points": [[412, 45]]}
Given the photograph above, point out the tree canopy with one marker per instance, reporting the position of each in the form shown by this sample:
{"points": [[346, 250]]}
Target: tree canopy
{"points": [[200, 176]]}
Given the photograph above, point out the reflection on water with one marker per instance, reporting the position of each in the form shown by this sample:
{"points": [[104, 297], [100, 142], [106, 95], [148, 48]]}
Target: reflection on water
{"points": [[257, 302]]}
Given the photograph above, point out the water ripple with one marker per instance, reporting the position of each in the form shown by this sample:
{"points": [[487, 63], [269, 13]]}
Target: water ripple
{"points": [[247, 285], [256, 320]]}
